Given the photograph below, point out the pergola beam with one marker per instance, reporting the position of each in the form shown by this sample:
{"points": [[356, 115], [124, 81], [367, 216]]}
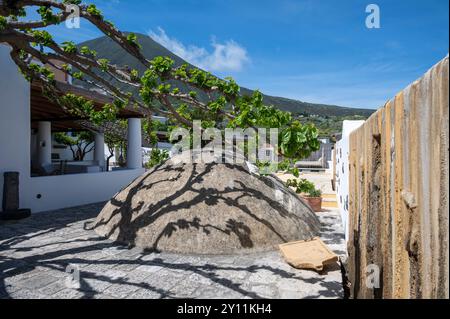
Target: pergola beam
{"points": [[43, 109]]}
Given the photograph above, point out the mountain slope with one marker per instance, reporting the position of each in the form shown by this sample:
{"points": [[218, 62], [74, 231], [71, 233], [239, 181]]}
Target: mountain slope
{"points": [[108, 49]]}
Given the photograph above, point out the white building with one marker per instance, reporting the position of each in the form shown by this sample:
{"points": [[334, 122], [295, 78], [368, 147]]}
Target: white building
{"points": [[342, 170], [27, 122]]}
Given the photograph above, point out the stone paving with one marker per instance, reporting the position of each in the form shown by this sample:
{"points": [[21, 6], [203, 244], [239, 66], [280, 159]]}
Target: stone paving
{"points": [[43, 256]]}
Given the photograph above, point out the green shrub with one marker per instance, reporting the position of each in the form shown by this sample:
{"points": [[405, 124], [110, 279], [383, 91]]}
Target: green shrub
{"points": [[303, 186], [315, 193], [157, 157]]}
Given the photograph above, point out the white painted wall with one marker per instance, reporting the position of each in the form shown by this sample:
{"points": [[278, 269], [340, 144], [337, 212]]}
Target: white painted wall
{"points": [[15, 154], [342, 170], [55, 192], [15, 131]]}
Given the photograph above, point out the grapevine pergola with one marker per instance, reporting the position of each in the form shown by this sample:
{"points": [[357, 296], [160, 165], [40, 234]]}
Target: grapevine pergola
{"points": [[159, 86]]}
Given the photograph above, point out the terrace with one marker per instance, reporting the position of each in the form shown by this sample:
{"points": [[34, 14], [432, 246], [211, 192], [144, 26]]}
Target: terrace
{"points": [[47, 183], [41, 256]]}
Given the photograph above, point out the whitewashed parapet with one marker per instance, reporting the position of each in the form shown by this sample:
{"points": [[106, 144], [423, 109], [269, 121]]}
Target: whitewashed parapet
{"points": [[342, 171]]}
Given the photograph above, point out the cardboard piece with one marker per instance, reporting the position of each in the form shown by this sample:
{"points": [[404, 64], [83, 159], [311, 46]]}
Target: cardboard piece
{"points": [[308, 254]]}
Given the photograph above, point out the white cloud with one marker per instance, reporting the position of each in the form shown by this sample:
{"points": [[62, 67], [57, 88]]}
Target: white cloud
{"points": [[227, 56]]}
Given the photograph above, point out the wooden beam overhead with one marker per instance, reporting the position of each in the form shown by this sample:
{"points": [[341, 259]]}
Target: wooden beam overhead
{"points": [[43, 109]]}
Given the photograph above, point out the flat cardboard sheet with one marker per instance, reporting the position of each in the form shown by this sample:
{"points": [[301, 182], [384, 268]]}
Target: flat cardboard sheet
{"points": [[308, 254]]}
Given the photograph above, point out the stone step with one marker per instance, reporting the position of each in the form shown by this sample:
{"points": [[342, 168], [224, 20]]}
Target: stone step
{"points": [[329, 201], [330, 204]]}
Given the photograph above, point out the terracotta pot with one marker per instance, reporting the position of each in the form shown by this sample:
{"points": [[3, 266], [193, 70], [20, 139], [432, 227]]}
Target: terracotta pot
{"points": [[314, 202]]}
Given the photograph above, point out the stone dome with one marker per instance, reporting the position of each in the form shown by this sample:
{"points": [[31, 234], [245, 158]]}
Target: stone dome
{"points": [[206, 209]]}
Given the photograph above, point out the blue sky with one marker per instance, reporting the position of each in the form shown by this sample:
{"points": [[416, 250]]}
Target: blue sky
{"points": [[310, 50]]}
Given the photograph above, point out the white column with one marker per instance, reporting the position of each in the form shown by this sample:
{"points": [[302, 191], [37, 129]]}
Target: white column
{"points": [[44, 143], [134, 150], [99, 150]]}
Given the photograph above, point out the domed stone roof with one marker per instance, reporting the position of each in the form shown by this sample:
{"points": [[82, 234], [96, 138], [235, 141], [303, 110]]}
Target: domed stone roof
{"points": [[206, 209]]}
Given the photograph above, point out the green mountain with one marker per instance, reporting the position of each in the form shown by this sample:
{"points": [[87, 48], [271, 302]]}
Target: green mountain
{"points": [[106, 48]]}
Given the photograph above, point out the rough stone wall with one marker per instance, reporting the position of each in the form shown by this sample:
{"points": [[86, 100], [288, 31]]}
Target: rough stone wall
{"points": [[399, 189]]}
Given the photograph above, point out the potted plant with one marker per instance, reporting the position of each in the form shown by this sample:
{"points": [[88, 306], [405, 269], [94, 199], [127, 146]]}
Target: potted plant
{"points": [[314, 199], [308, 192]]}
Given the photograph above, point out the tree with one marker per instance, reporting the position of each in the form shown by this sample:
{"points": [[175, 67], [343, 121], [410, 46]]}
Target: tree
{"points": [[160, 86], [113, 141], [80, 143]]}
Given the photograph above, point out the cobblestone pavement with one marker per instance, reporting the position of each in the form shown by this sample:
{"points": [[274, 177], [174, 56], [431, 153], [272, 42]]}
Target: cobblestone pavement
{"points": [[41, 257]]}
